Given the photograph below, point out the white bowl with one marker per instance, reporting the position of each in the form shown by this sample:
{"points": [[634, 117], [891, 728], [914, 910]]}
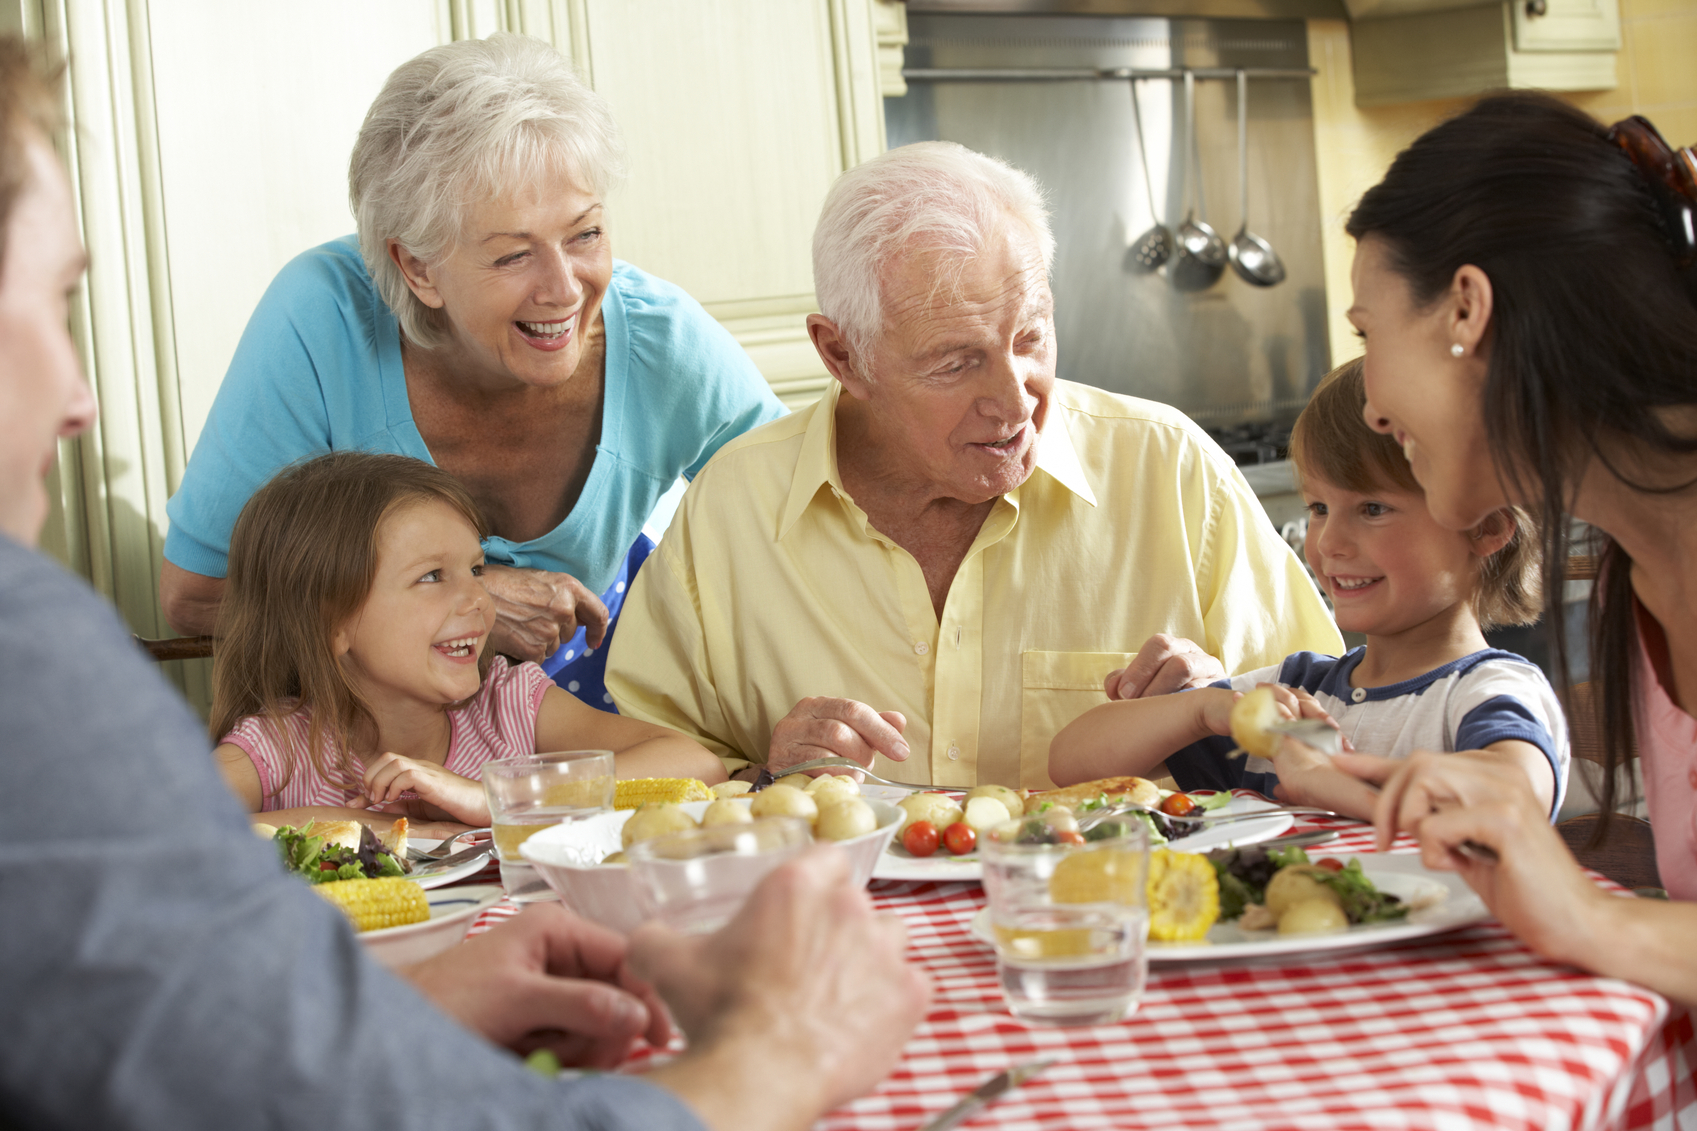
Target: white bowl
{"points": [[569, 855], [452, 911]]}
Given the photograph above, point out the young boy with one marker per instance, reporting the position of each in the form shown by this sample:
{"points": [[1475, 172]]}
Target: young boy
{"points": [[1425, 680]]}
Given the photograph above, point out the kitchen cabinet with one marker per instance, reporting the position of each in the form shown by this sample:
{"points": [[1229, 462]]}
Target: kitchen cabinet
{"points": [[1548, 44], [208, 145]]}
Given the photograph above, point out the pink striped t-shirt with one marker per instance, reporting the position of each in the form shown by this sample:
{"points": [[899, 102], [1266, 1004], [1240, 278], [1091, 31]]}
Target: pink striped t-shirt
{"points": [[1667, 761], [499, 723]]}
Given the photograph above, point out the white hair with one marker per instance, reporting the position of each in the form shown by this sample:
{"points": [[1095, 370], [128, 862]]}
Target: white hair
{"points": [[931, 195], [462, 123]]}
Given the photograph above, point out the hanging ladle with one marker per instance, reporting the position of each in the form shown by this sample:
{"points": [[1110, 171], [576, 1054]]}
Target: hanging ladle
{"points": [[1253, 256], [1154, 247], [1202, 256]]}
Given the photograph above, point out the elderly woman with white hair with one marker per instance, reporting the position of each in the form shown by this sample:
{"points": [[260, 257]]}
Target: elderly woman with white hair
{"points": [[948, 558], [479, 322]]}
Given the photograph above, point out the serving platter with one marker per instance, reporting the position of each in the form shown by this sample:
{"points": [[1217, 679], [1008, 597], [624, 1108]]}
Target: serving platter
{"points": [[1454, 905], [896, 864]]}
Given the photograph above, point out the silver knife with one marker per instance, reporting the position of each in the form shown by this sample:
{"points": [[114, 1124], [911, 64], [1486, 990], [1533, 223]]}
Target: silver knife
{"points": [[1297, 840], [985, 1094]]}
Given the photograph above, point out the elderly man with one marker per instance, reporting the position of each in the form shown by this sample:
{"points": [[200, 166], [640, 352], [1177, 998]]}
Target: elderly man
{"points": [[933, 568]]}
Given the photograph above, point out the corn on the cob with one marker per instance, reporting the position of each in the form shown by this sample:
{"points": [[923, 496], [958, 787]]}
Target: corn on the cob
{"points": [[1184, 896], [637, 792], [371, 905]]}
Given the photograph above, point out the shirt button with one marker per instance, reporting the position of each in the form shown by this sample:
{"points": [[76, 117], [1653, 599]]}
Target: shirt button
{"points": [[921, 648], [1358, 694], [954, 753]]}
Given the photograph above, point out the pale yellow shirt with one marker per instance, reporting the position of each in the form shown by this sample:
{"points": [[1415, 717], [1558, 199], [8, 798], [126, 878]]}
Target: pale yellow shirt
{"points": [[770, 586]]}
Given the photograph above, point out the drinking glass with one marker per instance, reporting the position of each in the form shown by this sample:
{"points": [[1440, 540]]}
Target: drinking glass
{"points": [[527, 795], [695, 881], [1070, 923]]}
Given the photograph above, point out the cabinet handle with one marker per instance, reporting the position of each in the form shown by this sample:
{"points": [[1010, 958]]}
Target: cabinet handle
{"points": [[1537, 8]]}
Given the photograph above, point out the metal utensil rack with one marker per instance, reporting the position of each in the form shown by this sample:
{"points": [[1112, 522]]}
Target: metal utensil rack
{"points": [[1095, 74]]}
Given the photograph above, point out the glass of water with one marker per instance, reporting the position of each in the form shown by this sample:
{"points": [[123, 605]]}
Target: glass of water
{"points": [[527, 795], [1070, 923]]}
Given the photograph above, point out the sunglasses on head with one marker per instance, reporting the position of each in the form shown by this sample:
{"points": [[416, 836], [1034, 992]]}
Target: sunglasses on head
{"points": [[1672, 176]]}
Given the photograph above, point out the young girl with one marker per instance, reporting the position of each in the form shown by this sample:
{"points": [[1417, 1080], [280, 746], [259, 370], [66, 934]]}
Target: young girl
{"points": [[1425, 679], [352, 671]]}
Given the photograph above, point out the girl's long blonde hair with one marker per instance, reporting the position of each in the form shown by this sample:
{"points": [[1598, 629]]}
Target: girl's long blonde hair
{"points": [[303, 556]]}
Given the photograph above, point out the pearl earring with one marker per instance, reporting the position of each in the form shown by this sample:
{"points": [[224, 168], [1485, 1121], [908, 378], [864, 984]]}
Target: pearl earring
{"points": [[1457, 349]]}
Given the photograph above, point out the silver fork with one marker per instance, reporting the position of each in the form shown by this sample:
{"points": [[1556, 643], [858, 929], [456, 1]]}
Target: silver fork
{"points": [[1097, 816], [441, 849], [851, 764]]}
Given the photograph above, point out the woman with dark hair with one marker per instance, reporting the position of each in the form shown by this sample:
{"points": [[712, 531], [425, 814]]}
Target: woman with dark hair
{"points": [[1526, 285]]}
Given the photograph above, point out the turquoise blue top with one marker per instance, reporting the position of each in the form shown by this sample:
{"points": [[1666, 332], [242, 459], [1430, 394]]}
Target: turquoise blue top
{"points": [[319, 369]]}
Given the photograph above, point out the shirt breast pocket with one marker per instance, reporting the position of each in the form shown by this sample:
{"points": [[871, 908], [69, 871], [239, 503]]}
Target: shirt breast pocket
{"points": [[1056, 688]]}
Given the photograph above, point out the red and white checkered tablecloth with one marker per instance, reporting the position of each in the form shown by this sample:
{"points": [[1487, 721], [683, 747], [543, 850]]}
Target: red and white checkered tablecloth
{"points": [[1469, 1029]]}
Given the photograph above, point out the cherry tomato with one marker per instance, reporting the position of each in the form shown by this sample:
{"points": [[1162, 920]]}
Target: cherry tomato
{"points": [[1330, 864], [961, 838], [1177, 804], [1069, 838], [920, 838]]}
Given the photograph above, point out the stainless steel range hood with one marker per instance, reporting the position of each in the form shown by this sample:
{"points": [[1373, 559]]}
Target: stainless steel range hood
{"points": [[1228, 354]]}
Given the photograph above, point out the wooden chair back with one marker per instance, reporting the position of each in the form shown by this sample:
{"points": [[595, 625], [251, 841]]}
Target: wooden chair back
{"points": [[177, 648], [1627, 852]]}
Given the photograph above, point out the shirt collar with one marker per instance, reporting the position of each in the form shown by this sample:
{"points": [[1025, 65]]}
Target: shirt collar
{"points": [[816, 466]]}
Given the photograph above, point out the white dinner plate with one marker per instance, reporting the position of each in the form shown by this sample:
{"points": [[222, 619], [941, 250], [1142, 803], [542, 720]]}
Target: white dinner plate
{"points": [[896, 864], [1402, 875], [455, 874]]}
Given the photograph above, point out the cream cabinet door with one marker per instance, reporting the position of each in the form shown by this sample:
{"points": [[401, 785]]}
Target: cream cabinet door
{"points": [[737, 117]]}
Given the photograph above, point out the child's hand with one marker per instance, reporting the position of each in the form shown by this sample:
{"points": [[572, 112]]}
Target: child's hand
{"points": [[1295, 703], [390, 776], [1307, 777]]}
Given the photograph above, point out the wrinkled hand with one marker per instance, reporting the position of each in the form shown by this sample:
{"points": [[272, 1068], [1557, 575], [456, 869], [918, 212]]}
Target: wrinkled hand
{"points": [[1534, 886], [445, 794], [1163, 665], [807, 976], [535, 610], [547, 979], [835, 728]]}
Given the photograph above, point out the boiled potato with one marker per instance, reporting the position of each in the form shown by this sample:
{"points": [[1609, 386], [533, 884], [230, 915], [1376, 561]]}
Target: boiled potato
{"points": [[1010, 798], [985, 813], [784, 801], [796, 781], [1313, 917], [731, 789], [654, 820], [828, 785], [264, 831], [1293, 885], [844, 818], [938, 808], [726, 812], [614, 858], [1251, 716]]}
